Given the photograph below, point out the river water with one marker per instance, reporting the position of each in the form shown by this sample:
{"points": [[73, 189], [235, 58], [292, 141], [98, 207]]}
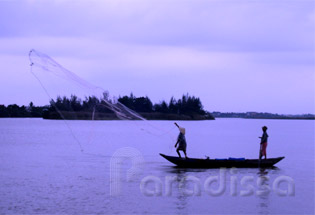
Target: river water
{"points": [[120, 171]]}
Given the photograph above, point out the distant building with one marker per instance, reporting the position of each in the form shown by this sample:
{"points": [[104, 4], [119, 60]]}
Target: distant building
{"points": [[251, 114]]}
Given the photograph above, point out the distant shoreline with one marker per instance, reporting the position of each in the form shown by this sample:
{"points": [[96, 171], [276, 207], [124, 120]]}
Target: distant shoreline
{"points": [[288, 118], [128, 107], [105, 108], [257, 115], [112, 116], [171, 116], [166, 118]]}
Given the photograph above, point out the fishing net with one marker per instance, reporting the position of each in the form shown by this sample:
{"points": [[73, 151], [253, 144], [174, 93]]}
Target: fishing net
{"points": [[73, 98]]}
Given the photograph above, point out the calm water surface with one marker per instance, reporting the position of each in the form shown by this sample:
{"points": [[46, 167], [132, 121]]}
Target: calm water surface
{"points": [[43, 171]]}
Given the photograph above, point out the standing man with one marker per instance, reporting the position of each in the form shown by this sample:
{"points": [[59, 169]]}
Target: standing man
{"points": [[181, 141], [263, 143]]}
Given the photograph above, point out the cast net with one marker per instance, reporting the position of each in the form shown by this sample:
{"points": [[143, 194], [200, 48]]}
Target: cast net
{"points": [[72, 97]]}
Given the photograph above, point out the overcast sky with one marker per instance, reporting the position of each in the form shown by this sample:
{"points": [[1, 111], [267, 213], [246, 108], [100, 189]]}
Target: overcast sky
{"points": [[236, 55]]}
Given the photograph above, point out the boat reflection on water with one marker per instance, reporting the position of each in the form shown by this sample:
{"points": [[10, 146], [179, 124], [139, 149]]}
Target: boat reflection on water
{"points": [[181, 184], [263, 197], [185, 195], [181, 197]]}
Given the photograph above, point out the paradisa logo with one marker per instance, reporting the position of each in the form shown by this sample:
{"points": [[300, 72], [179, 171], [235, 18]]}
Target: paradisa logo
{"points": [[216, 185]]}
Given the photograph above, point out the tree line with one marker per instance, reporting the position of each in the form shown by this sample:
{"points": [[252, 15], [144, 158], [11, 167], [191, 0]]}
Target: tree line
{"points": [[14, 110], [186, 105]]}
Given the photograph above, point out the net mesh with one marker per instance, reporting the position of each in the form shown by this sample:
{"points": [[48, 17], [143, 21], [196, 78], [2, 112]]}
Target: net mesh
{"points": [[60, 83]]}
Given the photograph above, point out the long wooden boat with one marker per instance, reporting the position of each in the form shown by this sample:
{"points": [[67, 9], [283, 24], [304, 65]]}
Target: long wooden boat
{"points": [[217, 163]]}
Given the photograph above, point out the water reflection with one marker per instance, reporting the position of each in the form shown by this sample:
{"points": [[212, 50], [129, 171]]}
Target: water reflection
{"points": [[181, 197], [261, 197], [185, 187], [264, 192]]}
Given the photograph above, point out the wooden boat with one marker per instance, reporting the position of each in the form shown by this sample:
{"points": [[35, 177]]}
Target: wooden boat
{"points": [[217, 163]]}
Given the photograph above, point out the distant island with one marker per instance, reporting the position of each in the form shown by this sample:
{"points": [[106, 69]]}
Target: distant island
{"points": [[257, 115], [186, 108]]}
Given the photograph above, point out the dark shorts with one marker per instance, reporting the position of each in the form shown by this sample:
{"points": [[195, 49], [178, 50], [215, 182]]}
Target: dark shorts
{"points": [[182, 147]]}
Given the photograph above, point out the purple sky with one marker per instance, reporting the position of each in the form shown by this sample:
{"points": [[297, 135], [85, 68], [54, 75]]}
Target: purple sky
{"points": [[240, 55]]}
